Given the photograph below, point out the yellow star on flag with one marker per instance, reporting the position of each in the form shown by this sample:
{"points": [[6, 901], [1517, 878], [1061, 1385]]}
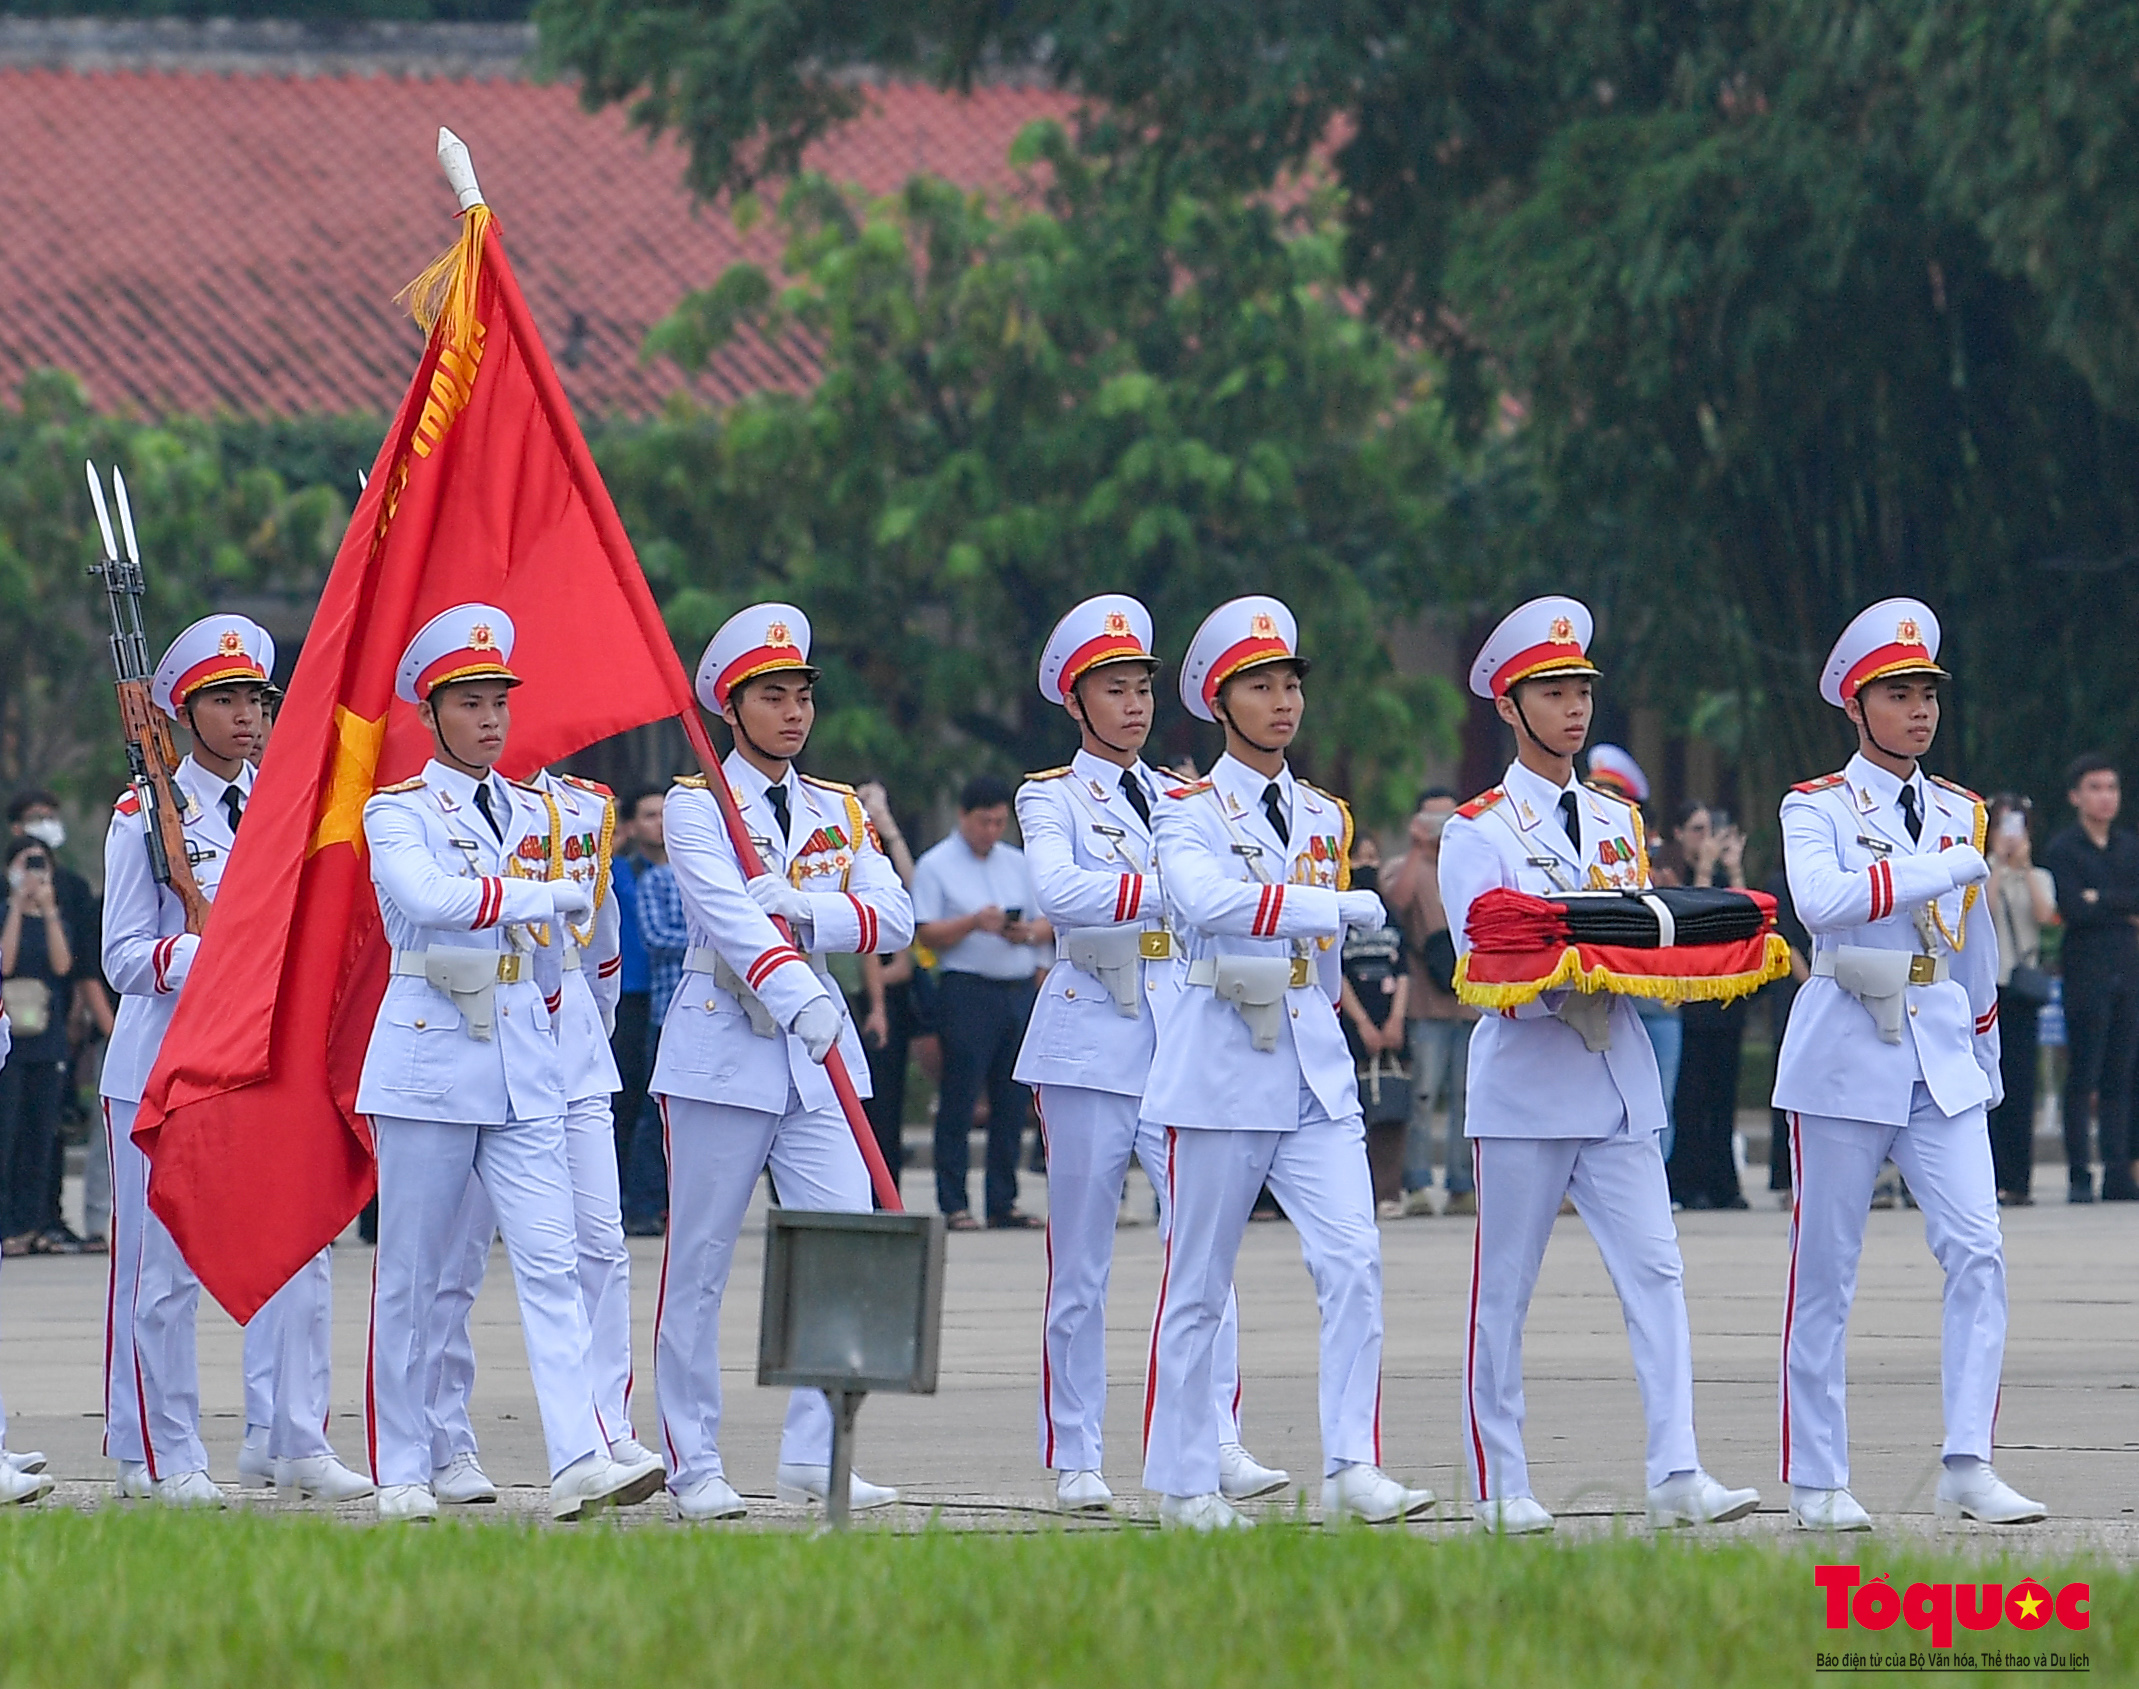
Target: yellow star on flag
{"points": [[349, 782], [2028, 1604]]}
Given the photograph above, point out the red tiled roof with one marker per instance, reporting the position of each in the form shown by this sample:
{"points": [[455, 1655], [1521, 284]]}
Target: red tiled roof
{"points": [[199, 242]]}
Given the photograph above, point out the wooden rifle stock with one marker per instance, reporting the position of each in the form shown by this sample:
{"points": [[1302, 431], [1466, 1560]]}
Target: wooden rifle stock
{"points": [[152, 759]]}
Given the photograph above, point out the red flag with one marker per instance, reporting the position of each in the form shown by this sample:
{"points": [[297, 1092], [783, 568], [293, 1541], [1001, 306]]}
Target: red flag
{"points": [[483, 490]]}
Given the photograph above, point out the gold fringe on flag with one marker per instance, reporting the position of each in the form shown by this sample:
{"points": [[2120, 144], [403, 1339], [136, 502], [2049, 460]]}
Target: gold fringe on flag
{"points": [[447, 286], [1570, 970]]}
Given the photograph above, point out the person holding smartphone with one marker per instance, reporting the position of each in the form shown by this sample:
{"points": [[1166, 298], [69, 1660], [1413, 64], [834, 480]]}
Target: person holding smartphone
{"points": [[37, 963]]}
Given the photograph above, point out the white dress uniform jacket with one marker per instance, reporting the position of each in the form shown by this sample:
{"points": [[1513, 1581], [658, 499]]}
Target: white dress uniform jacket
{"points": [[1094, 864], [1236, 888], [581, 981], [1858, 879], [147, 950], [708, 1050], [1530, 1074], [446, 878]]}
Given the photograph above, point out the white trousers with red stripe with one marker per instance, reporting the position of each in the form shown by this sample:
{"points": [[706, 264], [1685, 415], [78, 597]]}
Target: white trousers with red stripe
{"points": [[1618, 1185], [1090, 1137], [424, 1167], [604, 1288], [289, 1361], [1319, 1173], [152, 1385], [715, 1154], [1834, 1164]]}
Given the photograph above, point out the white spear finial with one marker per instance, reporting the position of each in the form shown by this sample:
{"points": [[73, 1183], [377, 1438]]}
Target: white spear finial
{"points": [[453, 159]]}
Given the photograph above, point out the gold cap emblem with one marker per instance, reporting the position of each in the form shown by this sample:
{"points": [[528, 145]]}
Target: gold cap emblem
{"points": [[1117, 623], [230, 645], [1906, 632], [1562, 631], [776, 634], [481, 638], [1262, 627]]}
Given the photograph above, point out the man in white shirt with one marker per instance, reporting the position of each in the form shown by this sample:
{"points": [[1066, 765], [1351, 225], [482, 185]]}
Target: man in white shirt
{"points": [[975, 905]]}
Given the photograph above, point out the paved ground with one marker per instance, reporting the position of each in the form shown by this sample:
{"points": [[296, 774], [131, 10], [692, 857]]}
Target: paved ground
{"points": [[2069, 1429]]}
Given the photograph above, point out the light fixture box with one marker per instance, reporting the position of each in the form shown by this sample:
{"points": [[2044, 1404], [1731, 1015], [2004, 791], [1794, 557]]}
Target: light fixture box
{"points": [[853, 1302]]}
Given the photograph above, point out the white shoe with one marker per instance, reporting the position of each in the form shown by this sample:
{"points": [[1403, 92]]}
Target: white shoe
{"points": [[647, 1475], [709, 1498], [589, 1484], [1366, 1492], [1519, 1516], [1241, 1477], [1210, 1512], [1979, 1493], [133, 1482], [321, 1477], [814, 1483], [1827, 1510], [461, 1483], [32, 1460], [256, 1467], [189, 1489], [1082, 1492], [19, 1488], [1694, 1498], [413, 1503]]}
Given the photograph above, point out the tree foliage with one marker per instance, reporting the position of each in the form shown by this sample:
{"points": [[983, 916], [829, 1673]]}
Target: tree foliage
{"points": [[1108, 382], [1795, 303]]}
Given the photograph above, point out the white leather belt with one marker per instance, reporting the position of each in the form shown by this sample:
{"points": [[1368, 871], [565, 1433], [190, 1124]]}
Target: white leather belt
{"points": [[1114, 957], [1923, 970], [570, 961], [469, 977], [1879, 979], [1255, 986], [704, 959], [416, 964], [1205, 970]]}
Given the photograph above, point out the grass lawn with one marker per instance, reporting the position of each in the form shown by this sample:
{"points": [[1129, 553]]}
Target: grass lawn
{"points": [[148, 1598]]}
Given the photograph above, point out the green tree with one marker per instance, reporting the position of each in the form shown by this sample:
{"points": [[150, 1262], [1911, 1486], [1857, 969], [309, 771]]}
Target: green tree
{"points": [[1108, 382]]}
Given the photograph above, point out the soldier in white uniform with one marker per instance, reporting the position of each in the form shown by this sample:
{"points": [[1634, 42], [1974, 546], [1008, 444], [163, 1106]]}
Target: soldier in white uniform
{"points": [[23, 1478], [1087, 1050], [1892, 1050], [463, 1074], [1564, 1095], [1251, 1078], [740, 1072], [212, 680], [578, 974]]}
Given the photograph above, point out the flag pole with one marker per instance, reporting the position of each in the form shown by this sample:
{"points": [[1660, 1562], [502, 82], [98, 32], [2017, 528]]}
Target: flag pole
{"points": [[459, 170]]}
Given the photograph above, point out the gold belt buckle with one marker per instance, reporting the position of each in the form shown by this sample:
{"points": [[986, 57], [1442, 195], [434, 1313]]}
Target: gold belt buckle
{"points": [[509, 970], [1923, 970], [1299, 971], [1154, 946]]}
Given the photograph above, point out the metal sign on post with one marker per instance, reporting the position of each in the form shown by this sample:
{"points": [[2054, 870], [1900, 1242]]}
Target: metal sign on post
{"points": [[853, 1303]]}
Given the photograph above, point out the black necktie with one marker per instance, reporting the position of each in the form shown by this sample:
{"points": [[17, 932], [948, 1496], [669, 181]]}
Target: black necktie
{"points": [[777, 797], [1570, 820], [1134, 792], [482, 802], [1274, 807], [1911, 818], [233, 805]]}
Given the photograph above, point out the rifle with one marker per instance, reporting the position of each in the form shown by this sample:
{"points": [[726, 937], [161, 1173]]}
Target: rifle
{"points": [[151, 756]]}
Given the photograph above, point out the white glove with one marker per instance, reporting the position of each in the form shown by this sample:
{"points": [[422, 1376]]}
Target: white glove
{"points": [[570, 898], [1965, 863], [818, 1027], [1361, 909], [775, 896]]}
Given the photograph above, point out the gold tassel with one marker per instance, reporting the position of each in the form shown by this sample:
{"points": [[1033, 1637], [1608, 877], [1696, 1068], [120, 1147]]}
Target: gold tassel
{"points": [[447, 286], [1713, 988]]}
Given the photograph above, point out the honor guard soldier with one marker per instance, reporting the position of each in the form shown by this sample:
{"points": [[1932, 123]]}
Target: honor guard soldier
{"points": [[1251, 1078], [740, 1072], [23, 1478], [1564, 1094], [213, 680], [1891, 1050], [464, 1074], [579, 973], [1087, 1050]]}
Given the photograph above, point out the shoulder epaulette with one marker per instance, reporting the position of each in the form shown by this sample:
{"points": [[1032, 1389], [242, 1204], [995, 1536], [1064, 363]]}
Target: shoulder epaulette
{"points": [[1481, 803], [586, 785], [825, 785], [696, 782], [533, 783], [1607, 792], [1189, 790], [1955, 787], [1821, 784], [415, 785], [1048, 773], [128, 802]]}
